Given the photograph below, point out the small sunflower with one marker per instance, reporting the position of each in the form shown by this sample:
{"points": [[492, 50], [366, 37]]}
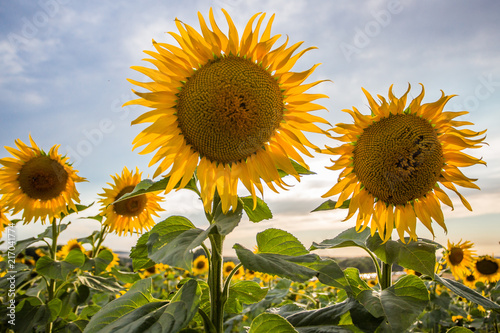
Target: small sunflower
{"points": [[395, 160], [227, 109], [133, 214], [39, 184], [487, 269], [469, 279], [227, 268], [459, 258], [249, 274], [239, 273], [200, 265], [4, 221], [72, 244]]}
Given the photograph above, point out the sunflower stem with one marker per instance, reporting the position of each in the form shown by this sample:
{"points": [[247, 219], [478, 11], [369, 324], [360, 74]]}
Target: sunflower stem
{"points": [[215, 282], [52, 283], [386, 280]]}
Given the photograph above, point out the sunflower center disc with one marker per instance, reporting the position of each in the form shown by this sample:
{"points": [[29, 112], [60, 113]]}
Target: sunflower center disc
{"points": [[398, 158], [229, 108], [200, 264], [456, 256], [42, 178], [130, 207], [487, 267]]}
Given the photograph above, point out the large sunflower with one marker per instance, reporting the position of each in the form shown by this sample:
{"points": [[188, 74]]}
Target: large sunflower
{"points": [[133, 214], [487, 269], [226, 108], [459, 258], [395, 160], [40, 184]]}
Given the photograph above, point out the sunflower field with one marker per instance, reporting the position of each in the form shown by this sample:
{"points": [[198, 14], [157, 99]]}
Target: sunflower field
{"points": [[228, 120]]}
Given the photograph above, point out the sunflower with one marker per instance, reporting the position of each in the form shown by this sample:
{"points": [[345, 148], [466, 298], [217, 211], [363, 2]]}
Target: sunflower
{"points": [[239, 273], [39, 184], [4, 221], [133, 214], [227, 268], [487, 268], [200, 265], [226, 108], [469, 279], [459, 258], [395, 160], [72, 244]]}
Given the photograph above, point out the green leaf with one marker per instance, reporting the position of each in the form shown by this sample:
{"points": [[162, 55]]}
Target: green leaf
{"points": [[145, 186], [278, 241], [30, 314], [100, 283], [327, 317], [138, 312], [330, 204], [300, 169], [138, 295], [271, 323], [244, 292], [417, 255], [349, 237], [156, 244], [55, 307], [356, 283], [400, 304], [100, 263], [226, 223], [125, 277], [59, 270], [261, 211], [139, 254], [48, 232], [465, 292], [290, 267]]}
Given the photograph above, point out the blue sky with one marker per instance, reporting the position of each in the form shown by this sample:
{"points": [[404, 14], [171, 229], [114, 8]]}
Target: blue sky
{"points": [[64, 66]]}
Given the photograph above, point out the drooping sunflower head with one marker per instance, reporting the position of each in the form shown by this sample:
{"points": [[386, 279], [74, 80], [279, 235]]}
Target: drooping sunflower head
{"points": [[487, 269], [200, 265], [41, 185], [228, 108], [72, 244], [131, 215], [459, 258], [395, 161]]}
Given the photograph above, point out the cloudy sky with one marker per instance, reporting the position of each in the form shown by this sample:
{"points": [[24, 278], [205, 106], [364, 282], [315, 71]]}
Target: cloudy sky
{"points": [[64, 65]]}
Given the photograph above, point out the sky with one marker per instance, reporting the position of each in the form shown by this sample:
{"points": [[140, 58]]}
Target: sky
{"points": [[64, 65]]}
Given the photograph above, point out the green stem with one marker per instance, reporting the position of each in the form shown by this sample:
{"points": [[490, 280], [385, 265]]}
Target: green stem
{"points": [[102, 236], [52, 283], [386, 280], [375, 263], [215, 283]]}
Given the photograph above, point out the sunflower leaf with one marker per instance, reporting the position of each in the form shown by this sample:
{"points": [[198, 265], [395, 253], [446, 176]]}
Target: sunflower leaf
{"points": [[243, 292], [165, 231], [49, 232], [137, 310], [279, 242], [330, 204], [59, 270], [99, 283], [465, 292], [143, 187], [261, 211], [400, 304], [225, 223], [349, 237], [269, 323]]}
